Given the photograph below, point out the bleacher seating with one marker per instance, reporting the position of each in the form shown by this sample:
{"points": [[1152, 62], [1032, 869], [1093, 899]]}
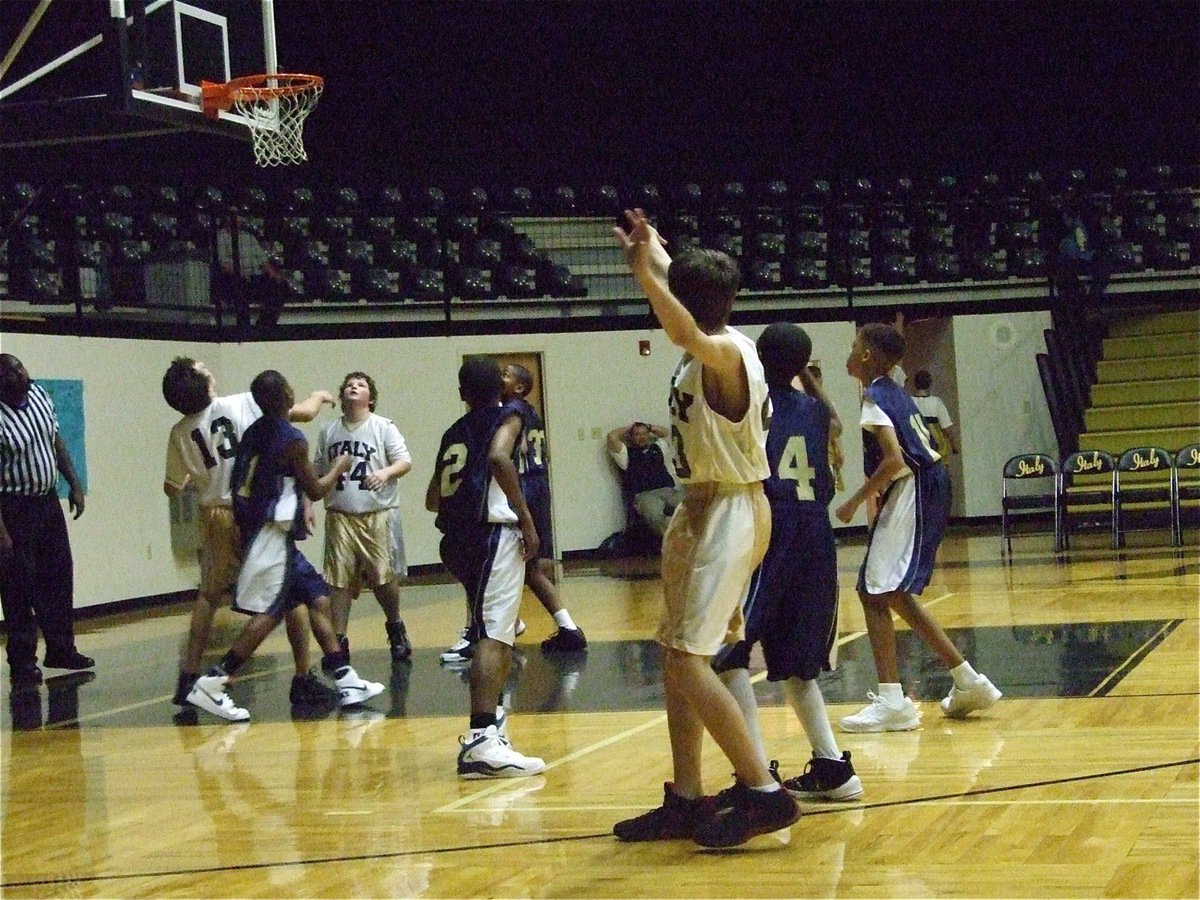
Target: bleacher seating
{"points": [[520, 242]]}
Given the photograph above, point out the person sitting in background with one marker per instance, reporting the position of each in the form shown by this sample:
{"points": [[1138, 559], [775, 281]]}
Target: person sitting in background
{"points": [[246, 276], [639, 455]]}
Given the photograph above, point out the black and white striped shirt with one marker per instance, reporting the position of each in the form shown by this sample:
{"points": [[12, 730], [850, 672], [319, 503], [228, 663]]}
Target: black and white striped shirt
{"points": [[28, 464]]}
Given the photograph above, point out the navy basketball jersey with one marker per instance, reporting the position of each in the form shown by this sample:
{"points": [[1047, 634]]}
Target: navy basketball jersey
{"points": [[896, 404], [464, 475], [798, 452], [263, 489], [531, 454]]}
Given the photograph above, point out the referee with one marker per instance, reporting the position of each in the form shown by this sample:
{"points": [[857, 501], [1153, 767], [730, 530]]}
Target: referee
{"points": [[36, 575]]}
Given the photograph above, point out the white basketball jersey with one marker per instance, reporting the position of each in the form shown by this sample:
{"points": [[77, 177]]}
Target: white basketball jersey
{"points": [[705, 445], [202, 447], [375, 443]]}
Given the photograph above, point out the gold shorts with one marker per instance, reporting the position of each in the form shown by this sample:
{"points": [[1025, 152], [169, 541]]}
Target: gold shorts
{"points": [[716, 539], [358, 550], [220, 552]]}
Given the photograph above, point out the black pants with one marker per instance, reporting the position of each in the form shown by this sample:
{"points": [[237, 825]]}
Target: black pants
{"points": [[37, 584], [242, 295]]}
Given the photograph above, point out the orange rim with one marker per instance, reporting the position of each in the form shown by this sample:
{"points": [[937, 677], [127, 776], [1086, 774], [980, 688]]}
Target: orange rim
{"points": [[219, 97]]}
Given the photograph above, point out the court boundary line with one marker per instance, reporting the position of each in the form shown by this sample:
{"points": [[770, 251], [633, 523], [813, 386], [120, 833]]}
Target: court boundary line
{"points": [[498, 845]]}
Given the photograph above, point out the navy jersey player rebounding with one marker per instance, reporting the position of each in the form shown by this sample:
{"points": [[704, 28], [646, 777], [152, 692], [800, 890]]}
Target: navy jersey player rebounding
{"points": [[487, 536], [903, 468], [792, 605]]}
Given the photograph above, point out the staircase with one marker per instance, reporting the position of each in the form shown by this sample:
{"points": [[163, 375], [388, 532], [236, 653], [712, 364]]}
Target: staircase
{"points": [[1147, 390], [585, 245]]}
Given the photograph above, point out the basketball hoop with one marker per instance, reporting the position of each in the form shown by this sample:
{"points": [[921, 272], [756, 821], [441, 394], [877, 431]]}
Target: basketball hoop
{"points": [[274, 107]]}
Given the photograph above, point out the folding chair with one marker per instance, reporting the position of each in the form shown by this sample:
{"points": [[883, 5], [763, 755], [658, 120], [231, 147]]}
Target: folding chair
{"points": [[1087, 487], [1039, 471], [1185, 485], [1143, 485]]}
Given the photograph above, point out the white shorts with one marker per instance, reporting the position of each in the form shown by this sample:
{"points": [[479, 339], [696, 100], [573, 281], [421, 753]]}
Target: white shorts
{"points": [[716, 539], [487, 560], [903, 541], [264, 569]]}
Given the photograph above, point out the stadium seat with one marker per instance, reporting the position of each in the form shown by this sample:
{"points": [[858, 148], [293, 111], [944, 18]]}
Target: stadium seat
{"points": [[381, 285], [429, 201], [519, 201], [470, 283], [425, 284], [476, 202], [389, 201], [516, 280], [1126, 257], [805, 274], [689, 198], [1143, 487], [1185, 486], [563, 201], [557, 281], [891, 239], [762, 274], [938, 267], [330, 285], [894, 268], [811, 244], [376, 228], [299, 201], [1028, 262], [1039, 471], [462, 228], [774, 194], [1088, 492], [766, 245], [253, 200], [396, 253], [855, 271]]}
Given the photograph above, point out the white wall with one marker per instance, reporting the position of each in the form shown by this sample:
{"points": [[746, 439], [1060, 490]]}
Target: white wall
{"points": [[594, 382], [1001, 405]]}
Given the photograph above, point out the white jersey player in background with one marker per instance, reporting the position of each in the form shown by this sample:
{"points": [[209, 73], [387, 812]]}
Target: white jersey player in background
{"points": [[364, 544], [200, 453]]}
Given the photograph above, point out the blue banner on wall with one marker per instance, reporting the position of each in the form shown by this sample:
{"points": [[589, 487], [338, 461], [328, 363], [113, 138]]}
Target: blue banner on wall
{"points": [[67, 394]]}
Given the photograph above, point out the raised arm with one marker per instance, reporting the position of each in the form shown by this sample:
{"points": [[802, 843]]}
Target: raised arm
{"points": [[310, 407], [813, 388], [646, 255]]}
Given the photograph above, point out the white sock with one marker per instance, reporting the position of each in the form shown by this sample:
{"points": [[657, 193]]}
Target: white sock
{"points": [[892, 693], [964, 676], [767, 788], [809, 707], [738, 683], [563, 619]]}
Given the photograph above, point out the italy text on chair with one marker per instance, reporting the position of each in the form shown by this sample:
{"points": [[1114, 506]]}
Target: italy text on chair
{"points": [[1087, 492], [1185, 487], [1143, 489], [1029, 484]]}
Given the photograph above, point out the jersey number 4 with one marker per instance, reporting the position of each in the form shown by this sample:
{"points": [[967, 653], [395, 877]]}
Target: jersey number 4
{"points": [[794, 466]]}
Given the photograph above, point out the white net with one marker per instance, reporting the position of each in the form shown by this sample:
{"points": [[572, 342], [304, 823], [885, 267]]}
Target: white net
{"points": [[275, 116]]}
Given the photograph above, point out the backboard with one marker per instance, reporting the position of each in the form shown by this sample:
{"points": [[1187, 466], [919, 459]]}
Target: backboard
{"points": [[74, 71]]}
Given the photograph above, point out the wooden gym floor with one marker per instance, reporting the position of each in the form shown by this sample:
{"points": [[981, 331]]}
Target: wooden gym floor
{"points": [[1082, 782]]}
